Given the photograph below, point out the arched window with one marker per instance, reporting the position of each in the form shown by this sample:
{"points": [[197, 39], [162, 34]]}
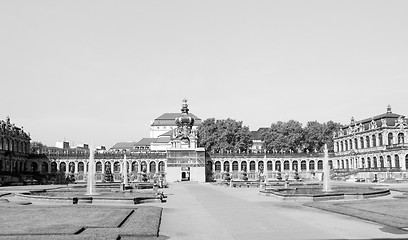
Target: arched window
{"points": [[368, 141], [342, 164], [63, 167], [71, 167], [108, 166], [389, 164], [331, 164], [135, 167], [351, 144], [217, 166], [7, 145], [244, 166], [338, 146], [375, 165], [252, 166], [362, 142], [44, 167], [400, 138], [390, 137], [381, 162], [342, 146], [80, 167], [152, 166], [406, 161], [380, 138], [286, 165], [303, 165], [261, 166], [162, 168], [295, 165], [346, 143], [143, 165], [320, 165], [347, 164], [363, 163], [368, 162], [269, 165], [116, 167], [355, 143], [53, 167], [98, 167], [374, 142], [396, 158], [278, 166], [311, 165], [226, 166], [235, 166]]}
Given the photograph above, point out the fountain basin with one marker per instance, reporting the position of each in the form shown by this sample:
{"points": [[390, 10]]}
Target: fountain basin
{"points": [[317, 194], [105, 195]]}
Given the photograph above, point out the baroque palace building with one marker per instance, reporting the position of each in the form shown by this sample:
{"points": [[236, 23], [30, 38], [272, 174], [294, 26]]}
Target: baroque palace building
{"points": [[373, 148], [14, 151]]}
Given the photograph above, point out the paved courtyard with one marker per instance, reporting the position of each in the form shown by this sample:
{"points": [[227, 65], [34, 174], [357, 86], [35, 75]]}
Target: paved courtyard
{"points": [[194, 211], [207, 211]]}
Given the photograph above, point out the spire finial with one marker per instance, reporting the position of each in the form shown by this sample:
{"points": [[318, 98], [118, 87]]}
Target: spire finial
{"points": [[389, 109]]}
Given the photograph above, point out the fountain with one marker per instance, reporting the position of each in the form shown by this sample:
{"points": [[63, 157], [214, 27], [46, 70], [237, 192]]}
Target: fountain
{"points": [[312, 191], [326, 171], [90, 185], [125, 176]]}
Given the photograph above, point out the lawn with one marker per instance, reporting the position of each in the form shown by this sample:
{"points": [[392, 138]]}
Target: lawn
{"points": [[78, 221], [390, 212]]}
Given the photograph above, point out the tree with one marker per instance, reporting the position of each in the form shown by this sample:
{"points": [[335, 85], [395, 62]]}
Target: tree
{"points": [[225, 135], [37, 147]]}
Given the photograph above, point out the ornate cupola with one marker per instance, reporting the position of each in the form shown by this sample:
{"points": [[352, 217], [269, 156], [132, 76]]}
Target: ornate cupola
{"points": [[184, 135], [185, 118]]}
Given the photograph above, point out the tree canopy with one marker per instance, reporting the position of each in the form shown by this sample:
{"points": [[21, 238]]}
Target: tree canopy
{"points": [[226, 135], [292, 137]]}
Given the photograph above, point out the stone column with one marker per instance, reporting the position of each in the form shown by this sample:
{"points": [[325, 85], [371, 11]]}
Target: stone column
{"points": [[75, 167], [103, 166]]}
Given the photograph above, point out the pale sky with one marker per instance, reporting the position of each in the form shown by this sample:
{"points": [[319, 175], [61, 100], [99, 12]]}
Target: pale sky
{"points": [[99, 72]]}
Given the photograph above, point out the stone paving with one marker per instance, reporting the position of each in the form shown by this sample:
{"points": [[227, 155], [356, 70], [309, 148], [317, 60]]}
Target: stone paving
{"points": [[207, 211], [197, 211]]}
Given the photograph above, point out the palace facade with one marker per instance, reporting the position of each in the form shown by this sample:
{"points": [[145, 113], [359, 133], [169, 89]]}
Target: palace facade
{"points": [[373, 148], [14, 151]]}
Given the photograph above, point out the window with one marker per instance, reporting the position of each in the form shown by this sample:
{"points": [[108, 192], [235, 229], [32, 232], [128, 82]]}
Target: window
{"points": [[269, 165], [134, 166], [380, 137], [234, 166], [98, 167], [278, 166], [311, 165], [80, 167], [162, 167], [116, 167], [286, 165], [152, 166], [303, 165], [217, 166], [261, 166], [381, 162], [374, 143], [320, 165], [367, 141], [396, 157], [226, 166], [355, 143], [244, 166], [400, 138], [390, 137], [252, 166], [295, 166], [362, 142]]}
